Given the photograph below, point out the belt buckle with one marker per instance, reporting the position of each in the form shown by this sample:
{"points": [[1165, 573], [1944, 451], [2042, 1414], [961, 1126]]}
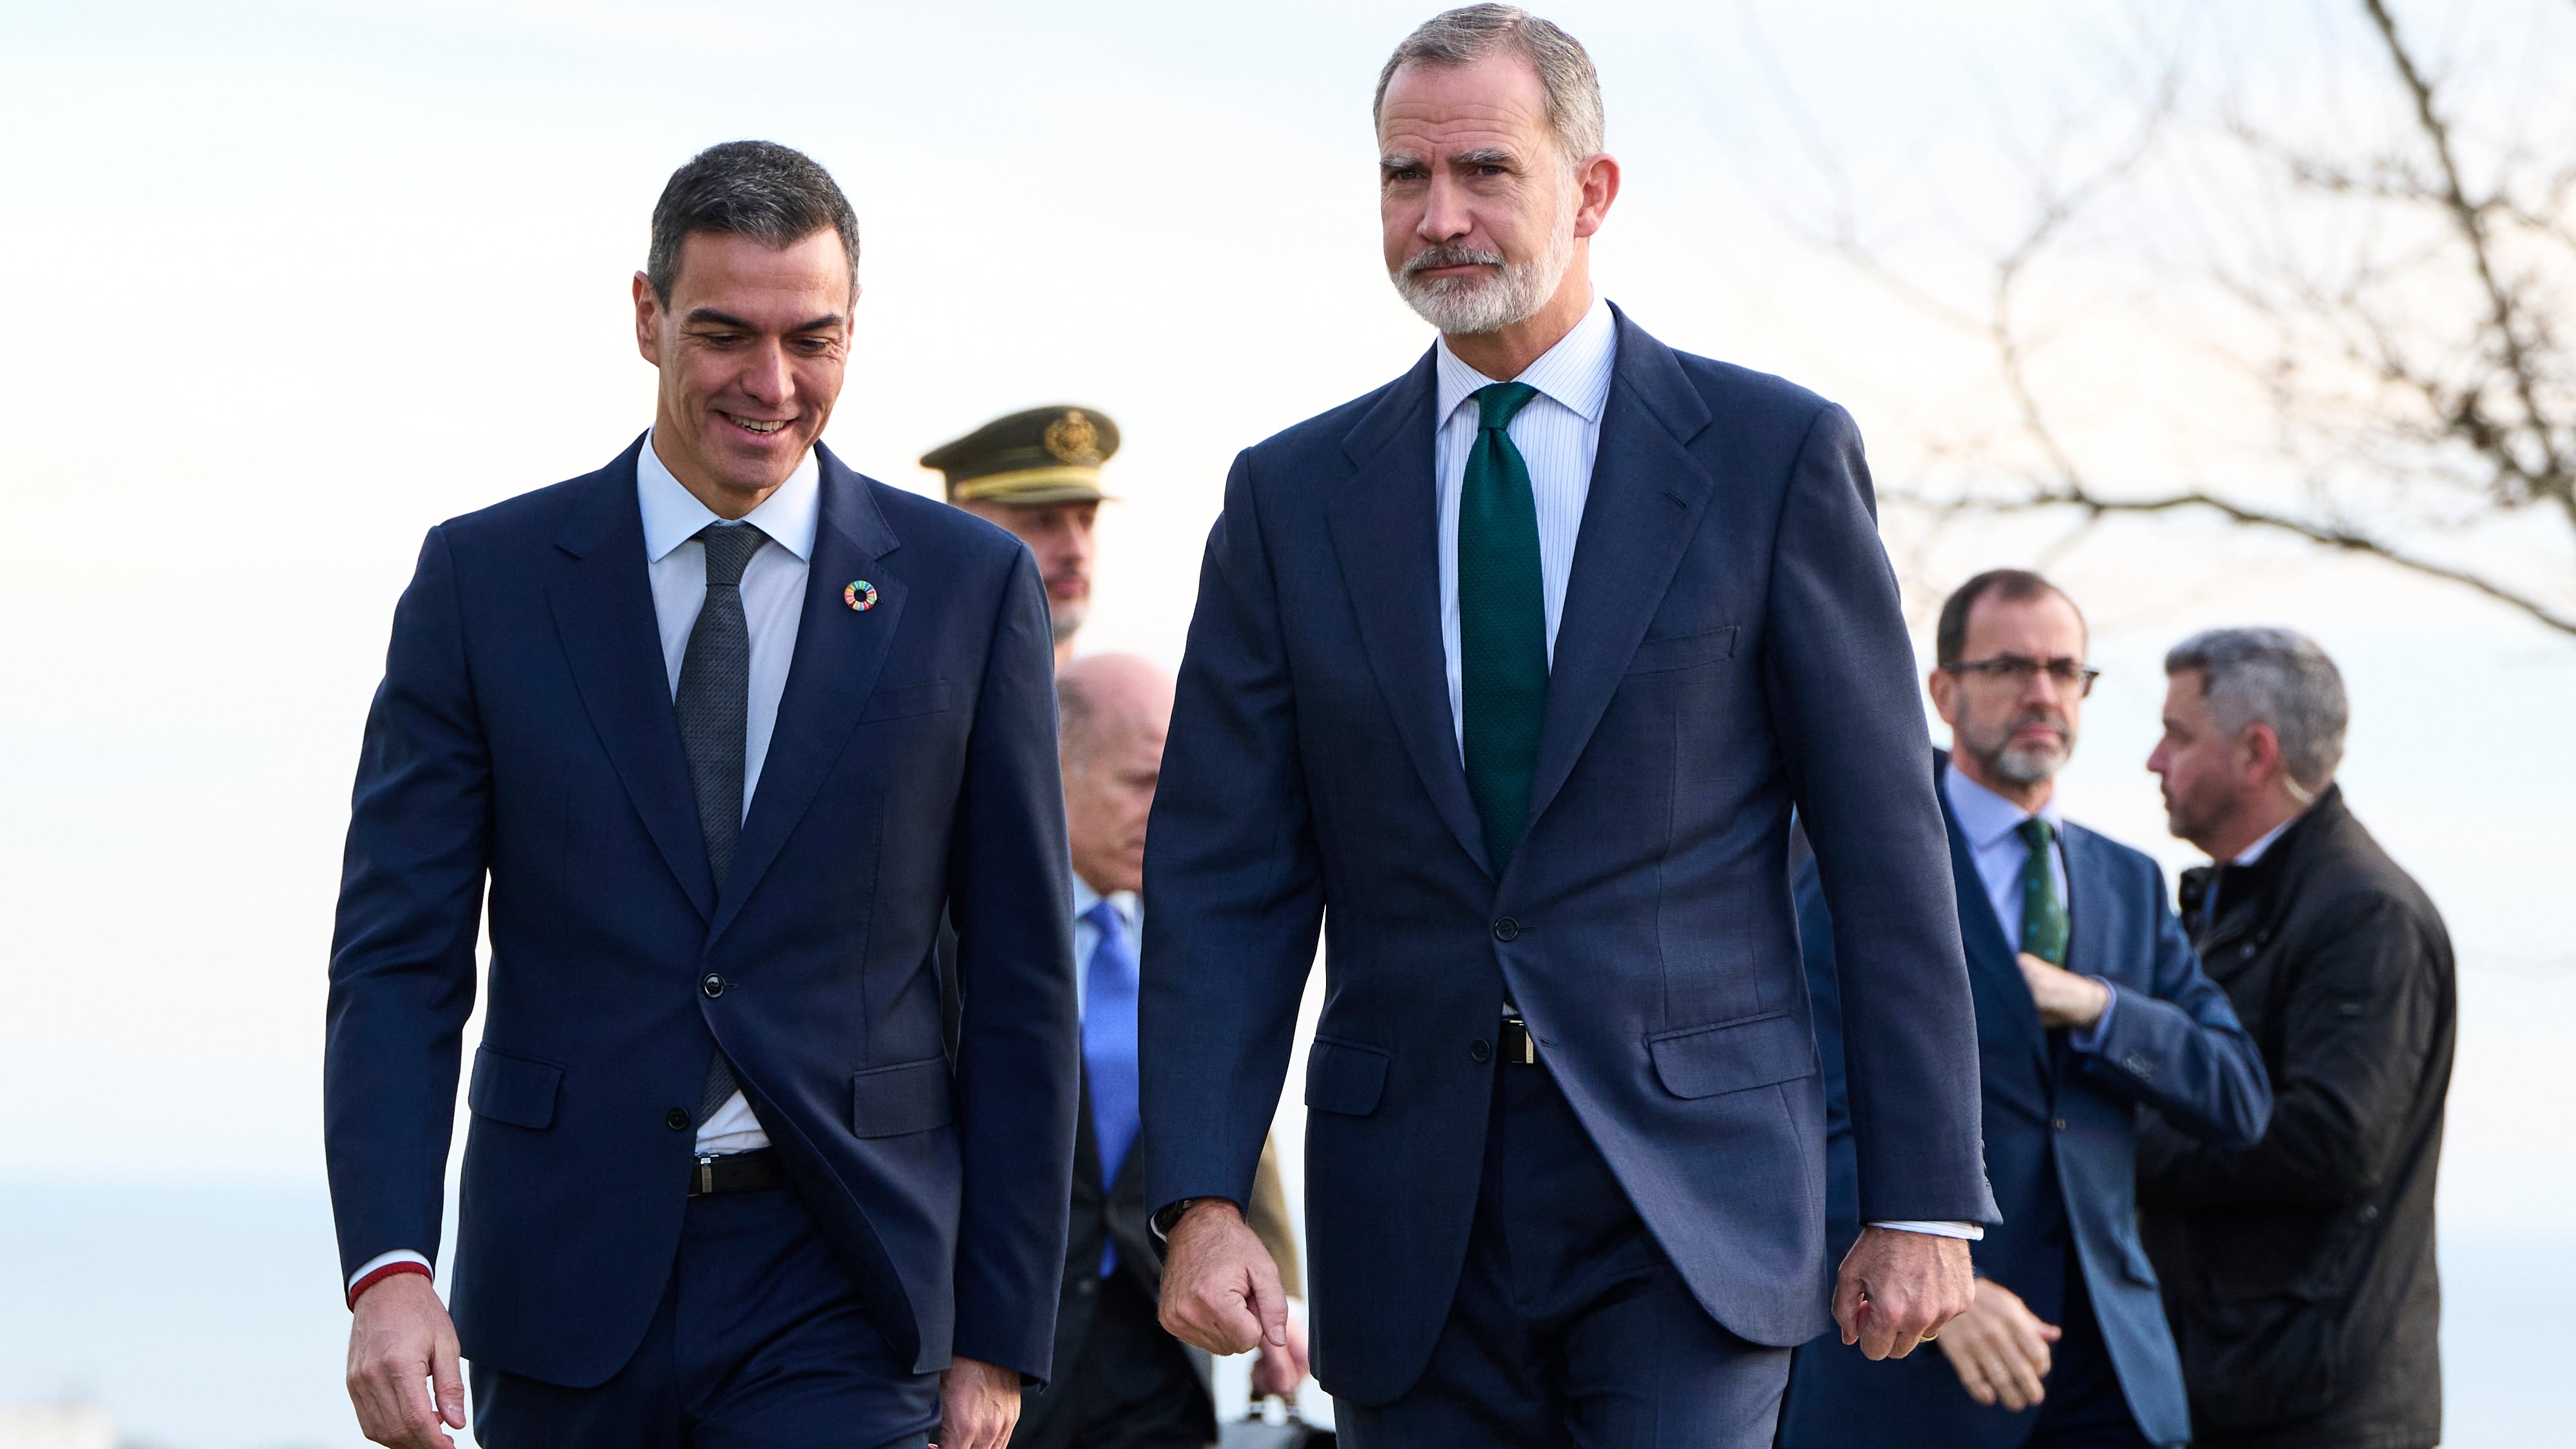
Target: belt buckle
{"points": [[706, 1173]]}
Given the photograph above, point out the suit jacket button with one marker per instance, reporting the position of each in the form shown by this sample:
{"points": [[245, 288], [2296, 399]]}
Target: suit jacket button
{"points": [[1086, 1287], [2057, 1125], [1480, 1051], [1506, 928], [711, 984], [677, 1119]]}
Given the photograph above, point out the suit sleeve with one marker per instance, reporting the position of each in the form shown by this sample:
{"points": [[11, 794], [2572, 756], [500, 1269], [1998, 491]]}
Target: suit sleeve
{"points": [[2358, 1030], [1839, 672], [2180, 1048], [1233, 873], [1824, 994], [402, 947], [1017, 1036]]}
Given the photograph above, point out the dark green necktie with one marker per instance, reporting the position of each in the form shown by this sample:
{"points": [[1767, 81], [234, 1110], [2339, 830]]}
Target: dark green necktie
{"points": [[2043, 915], [1502, 623]]}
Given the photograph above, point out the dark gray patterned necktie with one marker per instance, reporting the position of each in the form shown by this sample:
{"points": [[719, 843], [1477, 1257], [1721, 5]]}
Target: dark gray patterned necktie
{"points": [[714, 706]]}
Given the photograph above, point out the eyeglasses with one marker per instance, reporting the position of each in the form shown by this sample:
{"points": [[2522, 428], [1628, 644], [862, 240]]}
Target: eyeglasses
{"points": [[2067, 674]]}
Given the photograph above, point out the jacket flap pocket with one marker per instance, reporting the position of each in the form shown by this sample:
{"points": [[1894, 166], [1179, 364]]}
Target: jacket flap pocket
{"points": [[906, 1097], [1344, 1077], [1684, 651], [902, 701], [1731, 1056], [514, 1089]]}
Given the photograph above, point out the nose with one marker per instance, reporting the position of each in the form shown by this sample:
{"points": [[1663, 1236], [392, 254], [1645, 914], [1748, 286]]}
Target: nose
{"points": [[766, 376], [1445, 215]]}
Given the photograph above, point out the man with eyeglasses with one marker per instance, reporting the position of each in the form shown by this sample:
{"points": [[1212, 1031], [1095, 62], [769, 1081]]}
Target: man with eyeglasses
{"points": [[2089, 1004]]}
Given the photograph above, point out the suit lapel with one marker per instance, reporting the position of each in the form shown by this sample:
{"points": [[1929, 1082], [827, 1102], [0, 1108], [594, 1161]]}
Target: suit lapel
{"points": [[1648, 494], [602, 602], [1994, 966], [1384, 524], [838, 653], [2088, 948]]}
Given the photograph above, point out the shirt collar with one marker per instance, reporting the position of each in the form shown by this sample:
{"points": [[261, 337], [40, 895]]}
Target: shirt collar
{"points": [[1084, 898], [1986, 817], [673, 515], [2254, 852], [1575, 372]]}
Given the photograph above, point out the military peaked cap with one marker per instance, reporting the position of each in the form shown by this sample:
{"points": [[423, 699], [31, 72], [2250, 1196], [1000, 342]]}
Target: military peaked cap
{"points": [[1043, 455]]}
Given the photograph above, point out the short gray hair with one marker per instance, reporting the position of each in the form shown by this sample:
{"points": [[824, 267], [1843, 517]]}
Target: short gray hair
{"points": [[2276, 677], [1468, 35], [774, 194]]}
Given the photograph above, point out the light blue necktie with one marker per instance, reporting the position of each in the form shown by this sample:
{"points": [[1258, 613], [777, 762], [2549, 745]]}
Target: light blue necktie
{"points": [[1109, 1049]]}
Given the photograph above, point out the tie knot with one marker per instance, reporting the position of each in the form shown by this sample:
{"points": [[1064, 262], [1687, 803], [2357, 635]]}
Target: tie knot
{"points": [[1497, 402], [729, 549], [2036, 833], [1105, 918]]}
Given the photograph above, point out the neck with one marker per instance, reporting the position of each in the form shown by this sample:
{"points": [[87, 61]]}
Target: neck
{"points": [[728, 504], [2260, 816], [2028, 797], [1506, 354], [1063, 653]]}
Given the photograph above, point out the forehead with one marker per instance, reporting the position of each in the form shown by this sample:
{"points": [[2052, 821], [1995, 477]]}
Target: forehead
{"points": [[1433, 109], [2041, 626], [740, 270]]}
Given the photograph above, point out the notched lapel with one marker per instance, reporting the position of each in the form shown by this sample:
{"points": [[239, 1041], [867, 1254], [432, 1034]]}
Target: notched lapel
{"points": [[2088, 940], [839, 652], [602, 600], [1648, 496], [1384, 521], [1993, 965]]}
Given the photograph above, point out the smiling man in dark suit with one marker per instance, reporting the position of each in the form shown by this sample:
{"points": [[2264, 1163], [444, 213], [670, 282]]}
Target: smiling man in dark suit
{"points": [[723, 727], [1507, 677], [2090, 1005]]}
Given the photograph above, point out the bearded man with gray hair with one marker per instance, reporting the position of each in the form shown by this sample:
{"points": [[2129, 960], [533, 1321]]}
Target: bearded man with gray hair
{"points": [[2299, 1273], [1521, 663]]}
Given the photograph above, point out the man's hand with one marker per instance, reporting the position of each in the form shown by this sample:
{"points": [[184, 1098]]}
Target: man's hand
{"points": [[2064, 998], [1280, 1370], [403, 1376], [978, 1405], [1220, 1288], [1897, 1289], [2000, 1348]]}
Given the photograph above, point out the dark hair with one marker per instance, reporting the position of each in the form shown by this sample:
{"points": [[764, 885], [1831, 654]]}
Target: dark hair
{"points": [[1950, 639], [773, 194]]}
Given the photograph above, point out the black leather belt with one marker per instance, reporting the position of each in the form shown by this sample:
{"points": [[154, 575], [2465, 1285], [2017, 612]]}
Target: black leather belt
{"points": [[1518, 1048], [755, 1171]]}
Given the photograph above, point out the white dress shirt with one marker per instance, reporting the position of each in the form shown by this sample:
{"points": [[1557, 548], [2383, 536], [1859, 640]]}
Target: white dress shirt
{"points": [[1557, 432], [773, 598]]}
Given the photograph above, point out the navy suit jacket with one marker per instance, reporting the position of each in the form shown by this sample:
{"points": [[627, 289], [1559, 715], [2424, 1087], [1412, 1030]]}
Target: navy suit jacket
{"points": [[1730, 647], [524, 737], [2061, 1147]]}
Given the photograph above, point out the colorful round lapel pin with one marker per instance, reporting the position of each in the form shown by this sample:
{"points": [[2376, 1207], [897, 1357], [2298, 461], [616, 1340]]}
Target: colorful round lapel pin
{"points": [[860, 595]]}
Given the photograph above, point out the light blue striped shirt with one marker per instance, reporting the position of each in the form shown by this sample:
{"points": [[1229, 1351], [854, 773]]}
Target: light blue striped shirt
{"points": [[1558, 433]]}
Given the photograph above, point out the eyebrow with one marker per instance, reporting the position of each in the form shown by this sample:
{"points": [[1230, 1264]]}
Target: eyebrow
{"points": [[710, 317], [1399, 161], [1485, 156]]}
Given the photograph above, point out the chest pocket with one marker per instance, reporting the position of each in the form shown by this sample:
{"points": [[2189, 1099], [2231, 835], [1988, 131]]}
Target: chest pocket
{"points": [[1684, 651]]}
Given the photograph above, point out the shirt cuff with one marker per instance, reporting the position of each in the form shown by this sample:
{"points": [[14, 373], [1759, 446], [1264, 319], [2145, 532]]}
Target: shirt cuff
{"points": [[384, 1260], [1969, 1231], [2090, 1038]]}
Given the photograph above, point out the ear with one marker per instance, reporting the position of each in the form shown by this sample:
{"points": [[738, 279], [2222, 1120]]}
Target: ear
{"points": [[648, 318], [1943, 686], [2258, 755], [1596, 179]]}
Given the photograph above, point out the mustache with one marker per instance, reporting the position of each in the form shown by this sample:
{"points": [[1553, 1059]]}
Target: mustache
{"points": [[2048, 718], [1445, 256]]}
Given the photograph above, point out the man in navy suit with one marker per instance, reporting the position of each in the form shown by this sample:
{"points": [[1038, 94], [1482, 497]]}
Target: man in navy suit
{"points": [[2090, 1005], [722, 728], [1508, 676]]}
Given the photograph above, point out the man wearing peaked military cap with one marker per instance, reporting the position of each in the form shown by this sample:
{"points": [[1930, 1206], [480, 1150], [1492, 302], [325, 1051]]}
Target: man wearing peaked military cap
{"points": [[1037, 473]]}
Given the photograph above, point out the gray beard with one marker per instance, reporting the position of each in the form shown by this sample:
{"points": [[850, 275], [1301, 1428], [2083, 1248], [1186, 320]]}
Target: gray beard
{"points": [[1467, 307], [2030, 764]]}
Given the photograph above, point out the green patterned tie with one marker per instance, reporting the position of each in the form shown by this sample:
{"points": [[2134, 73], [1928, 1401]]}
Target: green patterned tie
{"points": [[2043, 915], [1502, 623]]}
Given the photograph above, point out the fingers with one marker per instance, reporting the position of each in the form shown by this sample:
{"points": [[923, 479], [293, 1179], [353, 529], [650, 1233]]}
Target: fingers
{"points": [[1850, 1304], [1270, 1304], [447, 1382]]}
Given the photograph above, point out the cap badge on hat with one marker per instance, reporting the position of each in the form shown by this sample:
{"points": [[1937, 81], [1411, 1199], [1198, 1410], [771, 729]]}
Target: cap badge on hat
{"points": [[1073, 438], [860, 595]]}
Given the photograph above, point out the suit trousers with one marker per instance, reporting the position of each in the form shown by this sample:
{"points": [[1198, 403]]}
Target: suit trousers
{"points": [[760, 1343], [1570, 1327], [1132, 1388]]}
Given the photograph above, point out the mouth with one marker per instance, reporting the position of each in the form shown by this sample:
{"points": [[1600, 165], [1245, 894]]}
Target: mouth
{"points": [[1438, 264], [755, 427]]}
